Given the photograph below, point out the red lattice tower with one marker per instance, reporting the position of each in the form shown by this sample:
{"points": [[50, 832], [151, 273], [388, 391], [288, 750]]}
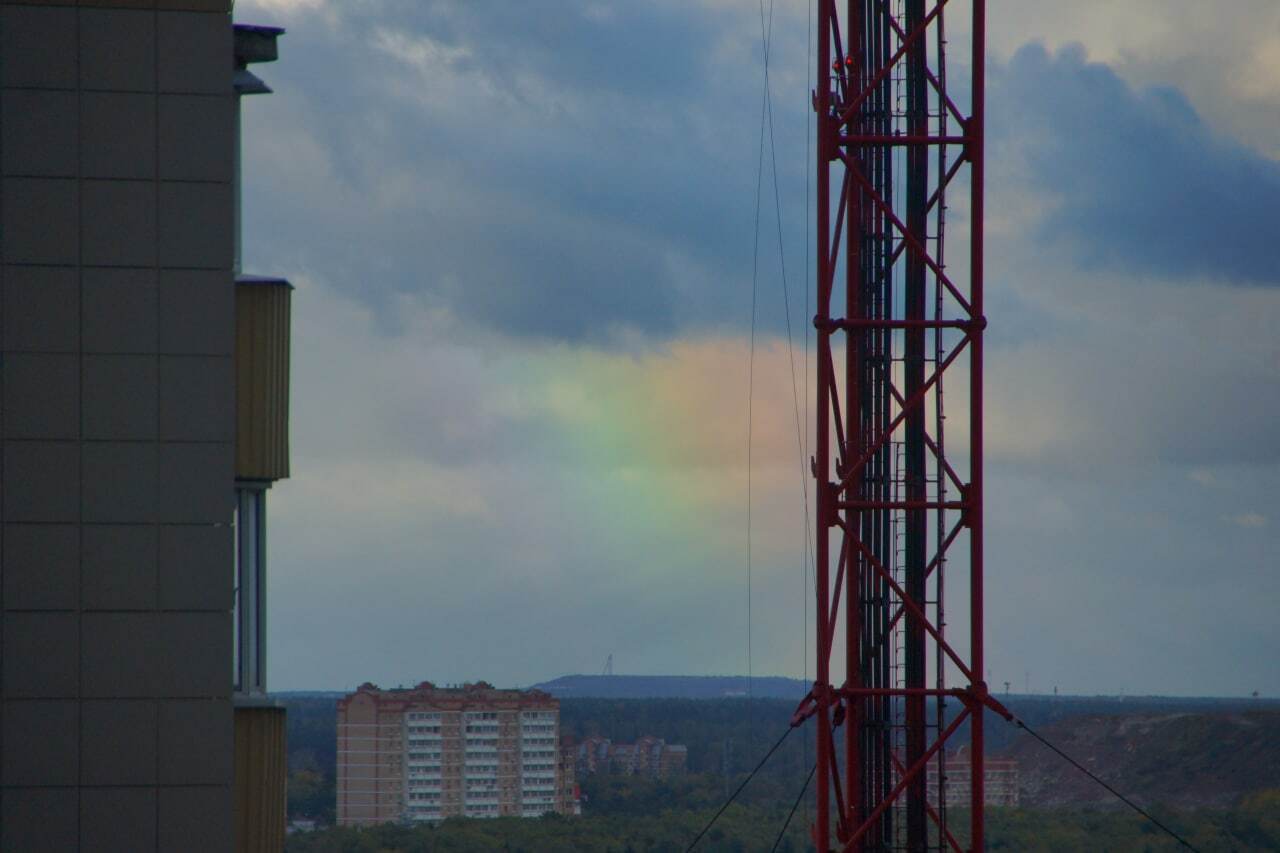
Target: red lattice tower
{"points": [[895, 512]]}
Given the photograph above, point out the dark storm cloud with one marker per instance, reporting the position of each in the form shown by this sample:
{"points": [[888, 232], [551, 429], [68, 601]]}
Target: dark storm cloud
{"points": [[649, 50], [568, 172], [1143, 185]]}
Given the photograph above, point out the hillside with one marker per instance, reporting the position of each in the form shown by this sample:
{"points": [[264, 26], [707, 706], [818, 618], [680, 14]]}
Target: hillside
{"points": [[1176, 759]]}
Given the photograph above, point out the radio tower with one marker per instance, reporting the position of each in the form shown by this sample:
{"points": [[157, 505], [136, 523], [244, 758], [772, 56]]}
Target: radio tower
{"points": [[899, 515]]}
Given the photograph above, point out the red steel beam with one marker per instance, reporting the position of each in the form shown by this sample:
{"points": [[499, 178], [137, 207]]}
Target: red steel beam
{"points": [[851, 151], [912, 771], [900, 139], [823, 511], [888, 67]]}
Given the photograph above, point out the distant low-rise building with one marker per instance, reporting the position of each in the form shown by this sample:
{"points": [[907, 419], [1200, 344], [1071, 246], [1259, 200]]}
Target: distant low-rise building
{"points": [[1000, 780], [648, 756], [427, 753]]}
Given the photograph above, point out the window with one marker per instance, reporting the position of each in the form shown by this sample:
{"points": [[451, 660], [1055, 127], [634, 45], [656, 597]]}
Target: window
{"points": [[249, 618]]}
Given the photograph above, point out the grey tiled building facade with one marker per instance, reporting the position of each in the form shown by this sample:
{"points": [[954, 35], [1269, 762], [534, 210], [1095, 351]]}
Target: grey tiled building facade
{"points": [[117, 146]]}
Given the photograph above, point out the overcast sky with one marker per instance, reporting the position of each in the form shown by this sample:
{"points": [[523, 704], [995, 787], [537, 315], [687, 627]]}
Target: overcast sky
{"points": [[522, 238]]}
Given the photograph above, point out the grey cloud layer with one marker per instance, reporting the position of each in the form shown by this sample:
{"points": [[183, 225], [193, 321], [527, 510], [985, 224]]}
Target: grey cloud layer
{"points": [[582, 171], [1142, 184], [585, 174], [567, 173]]}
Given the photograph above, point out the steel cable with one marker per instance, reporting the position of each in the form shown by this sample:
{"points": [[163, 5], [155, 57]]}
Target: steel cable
{"points": [[1128, 802], [738, 790], [792, 813]]}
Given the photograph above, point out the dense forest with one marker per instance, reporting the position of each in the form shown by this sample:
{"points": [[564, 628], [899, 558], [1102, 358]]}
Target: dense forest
{"points": [[1253, 826], [739, 829], [673, 687]]}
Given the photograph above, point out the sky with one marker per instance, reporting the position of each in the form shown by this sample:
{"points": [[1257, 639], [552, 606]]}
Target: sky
{"points": [[523, 239]]}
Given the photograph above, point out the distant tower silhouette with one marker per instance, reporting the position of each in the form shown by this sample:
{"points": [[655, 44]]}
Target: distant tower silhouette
{"points": [[725, 749], [608, 665]]}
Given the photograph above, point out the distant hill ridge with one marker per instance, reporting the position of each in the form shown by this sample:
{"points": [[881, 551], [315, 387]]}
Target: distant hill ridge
{"points": [[778, 687], [674, 687]]}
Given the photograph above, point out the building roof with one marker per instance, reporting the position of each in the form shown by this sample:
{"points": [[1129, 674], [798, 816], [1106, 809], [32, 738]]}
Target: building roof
{"points": [[479, 694]]}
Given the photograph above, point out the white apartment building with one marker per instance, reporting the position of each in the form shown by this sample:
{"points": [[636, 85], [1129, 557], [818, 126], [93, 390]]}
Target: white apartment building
{"points": [[428, 753]]}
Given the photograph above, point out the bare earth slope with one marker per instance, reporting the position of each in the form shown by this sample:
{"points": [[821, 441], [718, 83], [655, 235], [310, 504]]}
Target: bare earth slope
{"points": [[1176, 759]]}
